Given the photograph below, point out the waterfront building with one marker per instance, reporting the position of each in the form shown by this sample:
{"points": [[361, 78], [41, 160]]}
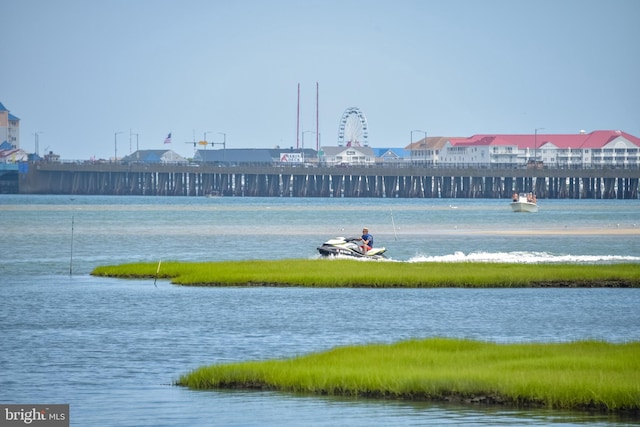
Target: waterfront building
{"points": [[427, 150], [597, 149], [348, 156], [9, 128], [11, 154], [391, 156], [234, 156], [52, 157]]}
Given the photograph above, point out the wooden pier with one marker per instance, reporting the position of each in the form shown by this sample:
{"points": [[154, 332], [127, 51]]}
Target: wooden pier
{"points": [[277, 181]]}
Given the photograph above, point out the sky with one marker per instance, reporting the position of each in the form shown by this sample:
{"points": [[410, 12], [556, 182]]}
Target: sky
{"points": [[95, 79]]}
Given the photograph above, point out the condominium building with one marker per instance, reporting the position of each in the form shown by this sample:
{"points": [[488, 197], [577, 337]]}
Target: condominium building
{"points": [[602, 148], [9, 128]]}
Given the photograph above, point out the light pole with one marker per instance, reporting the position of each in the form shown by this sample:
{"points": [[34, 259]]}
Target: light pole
{"points": [[115, 146], [130, 139], [535, 146], [410, 145], [224, 139]]}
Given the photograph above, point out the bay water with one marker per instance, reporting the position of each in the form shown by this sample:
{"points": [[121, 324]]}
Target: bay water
{"points": [[113, 348]]}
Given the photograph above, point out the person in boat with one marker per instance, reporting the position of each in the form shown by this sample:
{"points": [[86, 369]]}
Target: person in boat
{"points": [[514, 197], [367, 239]]}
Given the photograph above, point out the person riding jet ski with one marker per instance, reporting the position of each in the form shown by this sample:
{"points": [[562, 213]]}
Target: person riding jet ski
{"points": [[367, 239], [358, 247]]}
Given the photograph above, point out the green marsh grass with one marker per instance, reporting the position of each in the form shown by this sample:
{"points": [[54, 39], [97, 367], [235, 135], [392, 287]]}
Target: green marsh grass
{"points": [[354, 273], [584, 375]]}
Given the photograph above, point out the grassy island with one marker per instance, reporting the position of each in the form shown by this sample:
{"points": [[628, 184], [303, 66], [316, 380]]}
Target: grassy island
{"points": [[382, 274], [585, 375]]}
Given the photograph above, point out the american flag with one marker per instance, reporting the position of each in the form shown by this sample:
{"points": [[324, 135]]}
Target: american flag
{"points": [[167, 140]]}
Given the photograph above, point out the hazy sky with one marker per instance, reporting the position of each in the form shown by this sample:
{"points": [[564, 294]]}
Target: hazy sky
{"points": [[78, 71]]}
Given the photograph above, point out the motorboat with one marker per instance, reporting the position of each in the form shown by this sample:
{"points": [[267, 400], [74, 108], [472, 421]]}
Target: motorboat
{"points": [[350, 246], [524, 203]]}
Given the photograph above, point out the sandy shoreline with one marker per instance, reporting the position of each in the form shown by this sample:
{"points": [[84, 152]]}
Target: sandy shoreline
{"points": [[563, 232]]}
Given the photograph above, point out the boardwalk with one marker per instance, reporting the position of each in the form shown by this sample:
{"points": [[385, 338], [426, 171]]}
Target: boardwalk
{"points": [[263, 181]]}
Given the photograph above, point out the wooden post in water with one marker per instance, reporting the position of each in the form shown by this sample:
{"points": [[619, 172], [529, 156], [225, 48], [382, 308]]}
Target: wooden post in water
{"points": [[71, 256]]}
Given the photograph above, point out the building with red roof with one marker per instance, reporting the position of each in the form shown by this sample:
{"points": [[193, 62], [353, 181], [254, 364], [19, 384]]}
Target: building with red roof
{"points": [[602, 148]]}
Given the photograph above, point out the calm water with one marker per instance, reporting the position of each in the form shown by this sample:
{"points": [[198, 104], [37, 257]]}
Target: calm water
{"points": [[112, 348]]}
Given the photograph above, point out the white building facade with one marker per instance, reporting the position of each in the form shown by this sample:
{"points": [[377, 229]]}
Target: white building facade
{"points": [[584, 150], [351, 156]]}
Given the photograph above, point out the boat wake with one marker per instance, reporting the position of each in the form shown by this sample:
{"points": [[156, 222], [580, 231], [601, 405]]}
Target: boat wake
{"points": [[526, 258]]}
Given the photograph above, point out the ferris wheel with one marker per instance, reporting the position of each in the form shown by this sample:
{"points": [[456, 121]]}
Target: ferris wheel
{"points": [[353, 128]]}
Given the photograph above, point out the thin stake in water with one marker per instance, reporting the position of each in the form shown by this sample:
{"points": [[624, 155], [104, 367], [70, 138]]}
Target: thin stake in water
{"points": [[157, 272], [71, 258], [393, 223]]}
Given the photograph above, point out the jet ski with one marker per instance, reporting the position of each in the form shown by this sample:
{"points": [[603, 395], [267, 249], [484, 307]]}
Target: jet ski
{"points": [[349, 246]]}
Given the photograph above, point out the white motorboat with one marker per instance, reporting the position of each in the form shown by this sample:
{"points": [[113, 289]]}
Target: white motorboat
{"points": [[524, 203]]}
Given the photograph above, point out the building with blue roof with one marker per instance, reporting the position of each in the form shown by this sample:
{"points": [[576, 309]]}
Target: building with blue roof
{"points": [[391, 155], [9, 128]]}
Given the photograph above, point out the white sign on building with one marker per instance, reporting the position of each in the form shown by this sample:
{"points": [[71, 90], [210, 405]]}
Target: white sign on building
{"points": [[291, 157]]}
